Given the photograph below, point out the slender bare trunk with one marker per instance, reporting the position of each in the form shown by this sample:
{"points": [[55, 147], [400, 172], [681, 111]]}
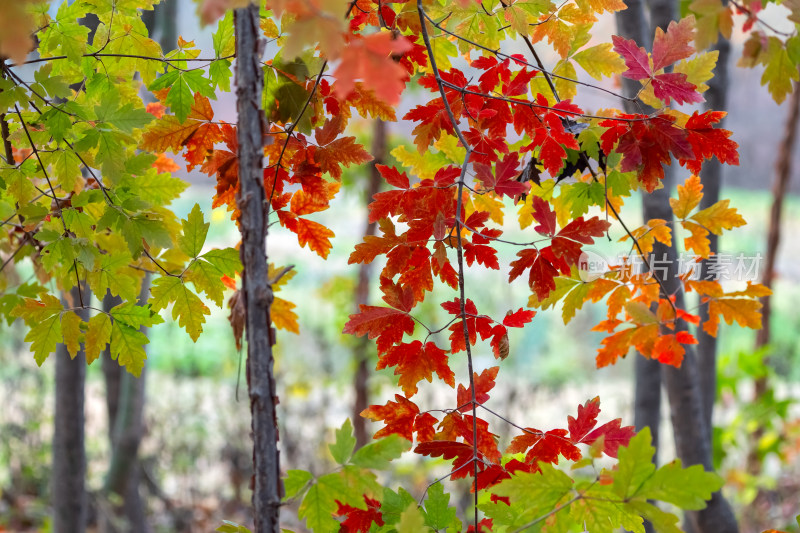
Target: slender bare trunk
{"points": [[361, 350], [716, 99], [256, 288], [69, 455], [783, 173]]}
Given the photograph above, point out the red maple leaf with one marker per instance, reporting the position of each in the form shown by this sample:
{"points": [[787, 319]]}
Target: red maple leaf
{"points": [[544, 446], [518, 318], [645, 144], [476, 324], [542, 272], [484, 382], [675, 85], [635, 58], [414, 362], [462, 453], [614, 436], [359, 520], [669, 47], [707, 141], [586, 421], [503, 181], [384, 323]]}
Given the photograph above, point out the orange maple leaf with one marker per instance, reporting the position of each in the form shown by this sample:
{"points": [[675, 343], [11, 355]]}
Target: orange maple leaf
{"points": [[368, 58], [399, 416], [164, 164]]}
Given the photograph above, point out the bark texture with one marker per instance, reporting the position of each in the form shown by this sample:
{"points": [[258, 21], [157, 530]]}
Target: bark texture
{"points": [[361, 351], [716, 99], [692, 433], [125, 399], [692, 436], [69, 455], [256, 288]]}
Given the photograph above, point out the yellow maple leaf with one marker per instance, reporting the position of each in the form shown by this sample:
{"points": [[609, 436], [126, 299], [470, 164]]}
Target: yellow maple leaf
{"points": [[713, 17], [743, 311], [600, 60], [753, 290], [282, 315], [71, 329], [699, 69], [689, 196], [719, 217], [698, 240], [656, 229]]}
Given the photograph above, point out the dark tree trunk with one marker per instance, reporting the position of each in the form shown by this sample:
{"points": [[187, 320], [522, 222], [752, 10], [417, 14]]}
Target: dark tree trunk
{"points": [[692, 441], [256, 288], [692, 433], [69, 455], [716, 99], [125, 398], [361, 351], [632, 24]]}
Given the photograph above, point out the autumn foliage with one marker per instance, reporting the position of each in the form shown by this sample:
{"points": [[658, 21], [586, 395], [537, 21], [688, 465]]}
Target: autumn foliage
{"points": [[497, 140]]}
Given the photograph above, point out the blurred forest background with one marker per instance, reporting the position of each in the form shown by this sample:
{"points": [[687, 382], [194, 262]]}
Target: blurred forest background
{"points": [[193, 468]]}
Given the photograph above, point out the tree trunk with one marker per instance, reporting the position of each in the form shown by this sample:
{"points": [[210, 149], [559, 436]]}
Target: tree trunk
{"points": [[692, 434], [692, 441], [716, 99], [69, 455], [361, 350], [783, 173], [256, 288], [125, 398], [631, 24]]}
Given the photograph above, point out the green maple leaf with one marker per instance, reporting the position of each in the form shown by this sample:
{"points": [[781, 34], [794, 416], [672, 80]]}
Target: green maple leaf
{"points": [[377, 455], [780, 70], [345, 443], [44, 318], [78, 222], [114, 275], [227, 260], [135, 316], [687, 488], [531, 495], [220, 73], [438, 514], [207, 279], [195, 231], [187, 307], [58, 124], [394, 503], [635, 465], [294, 482], [127, 347], [154, 188], [412, 520], [319, 503]]}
